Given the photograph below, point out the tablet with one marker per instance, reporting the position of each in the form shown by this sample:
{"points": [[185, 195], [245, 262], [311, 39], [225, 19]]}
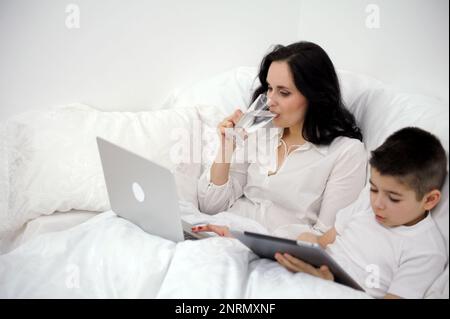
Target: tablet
{"points": [[266, 246]]}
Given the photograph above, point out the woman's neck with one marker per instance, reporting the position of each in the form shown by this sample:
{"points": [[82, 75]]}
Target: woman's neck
{"points": [[294, 134]]}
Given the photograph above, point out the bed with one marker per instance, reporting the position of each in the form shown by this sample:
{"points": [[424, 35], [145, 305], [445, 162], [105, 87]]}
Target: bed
{"points": [[59, 238]]}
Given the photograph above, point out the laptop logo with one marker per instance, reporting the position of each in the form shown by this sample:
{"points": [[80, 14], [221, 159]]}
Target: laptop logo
{"points": [[138, 192]]}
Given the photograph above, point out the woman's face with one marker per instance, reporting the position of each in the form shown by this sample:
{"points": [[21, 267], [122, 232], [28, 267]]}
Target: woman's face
{"points": [[285, 99]]}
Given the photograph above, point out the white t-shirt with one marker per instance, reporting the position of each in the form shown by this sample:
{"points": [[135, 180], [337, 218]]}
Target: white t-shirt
{"points": [[402, 261], [312, 184]]}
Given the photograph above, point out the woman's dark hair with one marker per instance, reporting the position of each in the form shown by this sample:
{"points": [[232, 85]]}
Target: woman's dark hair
{"points": [[315, 77]]}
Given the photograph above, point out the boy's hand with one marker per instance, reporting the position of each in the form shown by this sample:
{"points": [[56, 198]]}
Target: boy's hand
{"points": [[296, 265], [223, 231]]}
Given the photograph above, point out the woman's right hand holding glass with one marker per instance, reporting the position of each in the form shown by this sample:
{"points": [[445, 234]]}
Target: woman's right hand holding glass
{"points": [[227, 141], [228, 123]]}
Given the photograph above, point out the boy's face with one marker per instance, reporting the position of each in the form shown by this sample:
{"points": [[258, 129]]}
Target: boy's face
{"points": [[393, 202]]}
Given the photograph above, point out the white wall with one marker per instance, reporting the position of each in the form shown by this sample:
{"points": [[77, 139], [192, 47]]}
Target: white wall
{"points": [[409, 50], [129, 54]]}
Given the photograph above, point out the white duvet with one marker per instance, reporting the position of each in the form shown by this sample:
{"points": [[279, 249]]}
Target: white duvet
{"points": [[109, 257]]}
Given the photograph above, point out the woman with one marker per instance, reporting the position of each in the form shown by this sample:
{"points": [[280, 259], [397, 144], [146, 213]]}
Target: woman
{"points": [[321, 161]]}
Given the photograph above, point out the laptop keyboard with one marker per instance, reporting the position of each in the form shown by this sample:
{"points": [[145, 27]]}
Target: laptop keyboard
{"points": [[188, 236]]}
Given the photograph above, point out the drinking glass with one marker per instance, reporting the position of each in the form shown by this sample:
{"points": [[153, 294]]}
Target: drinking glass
{"points": [[256, 116]]}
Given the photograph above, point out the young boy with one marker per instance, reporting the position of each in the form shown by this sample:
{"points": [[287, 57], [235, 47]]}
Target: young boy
{"points": [[392, 248]]}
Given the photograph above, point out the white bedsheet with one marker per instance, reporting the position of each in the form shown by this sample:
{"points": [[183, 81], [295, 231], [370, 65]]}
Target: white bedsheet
{"points": [[109, 257], [57, 221]]}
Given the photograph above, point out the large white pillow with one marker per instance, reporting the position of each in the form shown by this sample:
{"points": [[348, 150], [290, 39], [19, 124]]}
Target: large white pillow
{"points": [[440, 288], [50, 160], [380, 111], [224, 92]]}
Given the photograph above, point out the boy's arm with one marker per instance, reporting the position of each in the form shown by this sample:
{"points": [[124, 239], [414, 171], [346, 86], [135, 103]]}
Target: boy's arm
{"points": [[417, 271]]}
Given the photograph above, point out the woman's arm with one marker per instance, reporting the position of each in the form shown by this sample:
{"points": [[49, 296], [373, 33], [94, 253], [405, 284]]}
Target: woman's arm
{"points": [[345, 183], [221, 185], [328, 238], [220, 169], [220, 230], [213, 199]]}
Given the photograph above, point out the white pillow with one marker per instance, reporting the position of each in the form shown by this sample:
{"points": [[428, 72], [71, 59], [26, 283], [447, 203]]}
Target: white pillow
{"points": [[50, 160], [354, 86], [380, 112], [215, 98], [224, 92], [440, 288]]}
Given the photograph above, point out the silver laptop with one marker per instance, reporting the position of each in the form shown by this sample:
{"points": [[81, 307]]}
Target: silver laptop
{"points": [[143, 192]]}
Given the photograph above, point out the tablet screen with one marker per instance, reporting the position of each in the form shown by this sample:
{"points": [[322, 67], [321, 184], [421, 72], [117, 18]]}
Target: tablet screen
{"points": [[267, 246]]}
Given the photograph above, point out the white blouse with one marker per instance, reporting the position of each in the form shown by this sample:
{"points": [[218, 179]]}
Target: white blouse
{"points": [[313, 183]]}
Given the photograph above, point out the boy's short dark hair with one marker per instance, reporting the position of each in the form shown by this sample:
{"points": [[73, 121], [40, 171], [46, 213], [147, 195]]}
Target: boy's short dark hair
{"points": [[414, 156]]}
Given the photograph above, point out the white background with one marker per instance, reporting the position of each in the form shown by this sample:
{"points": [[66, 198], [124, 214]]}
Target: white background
{"points": [[129, 55]]}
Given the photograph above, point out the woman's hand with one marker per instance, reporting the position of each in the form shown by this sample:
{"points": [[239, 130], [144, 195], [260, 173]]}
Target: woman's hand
{"points": [[296, 265], [309, 237], [227, 123], [219, 175], [223, 231], [326, 239]]}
